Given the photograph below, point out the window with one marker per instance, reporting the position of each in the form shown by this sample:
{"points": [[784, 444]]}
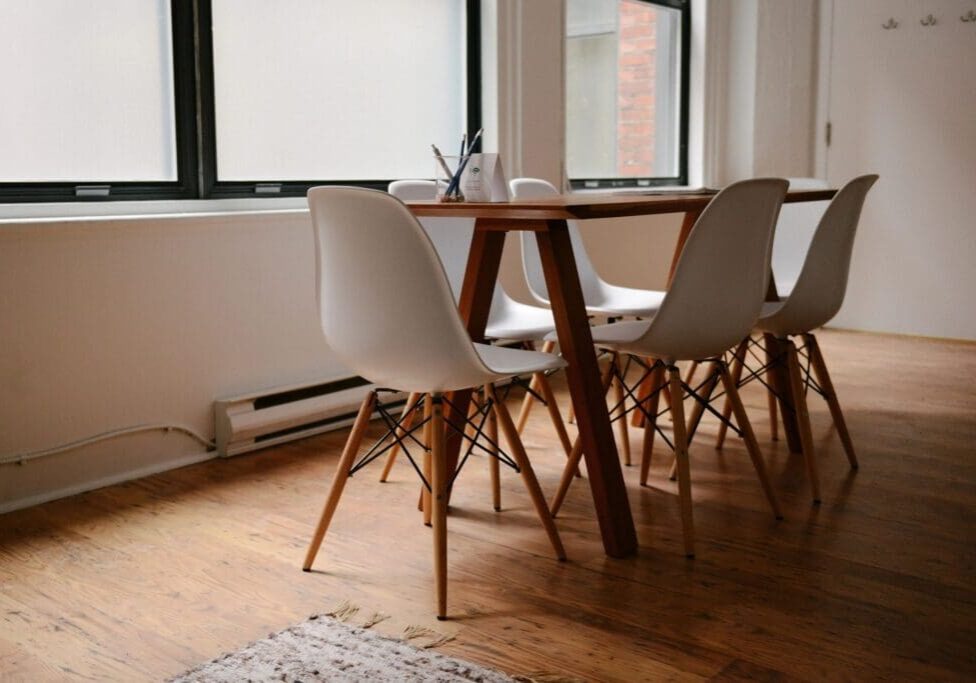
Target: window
{"points": [[91, 100], [626, 92], [149, 99]]}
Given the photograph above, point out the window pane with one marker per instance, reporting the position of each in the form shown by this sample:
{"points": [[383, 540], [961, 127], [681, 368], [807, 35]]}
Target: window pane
{"points": [[326, 90], [87, 91], [623, 61]]}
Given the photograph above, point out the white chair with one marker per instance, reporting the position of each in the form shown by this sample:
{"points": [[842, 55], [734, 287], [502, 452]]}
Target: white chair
{"points": [[367, 246], [508, 319], [794, 232], [716, 296], [601, 297], [814, 299]]}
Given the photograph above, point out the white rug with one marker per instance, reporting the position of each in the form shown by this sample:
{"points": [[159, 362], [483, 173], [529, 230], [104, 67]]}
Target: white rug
{"points": [[324, 649]]}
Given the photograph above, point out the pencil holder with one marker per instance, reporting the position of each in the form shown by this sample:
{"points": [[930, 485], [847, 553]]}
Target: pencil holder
{"points": [[447, 179]]}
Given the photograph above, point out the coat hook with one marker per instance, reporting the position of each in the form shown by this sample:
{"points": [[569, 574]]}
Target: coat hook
{"points": [[891, 23], [928, 21], [968, 16]]}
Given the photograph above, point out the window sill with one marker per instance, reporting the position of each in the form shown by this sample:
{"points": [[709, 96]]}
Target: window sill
{"points": [[81, 211]]}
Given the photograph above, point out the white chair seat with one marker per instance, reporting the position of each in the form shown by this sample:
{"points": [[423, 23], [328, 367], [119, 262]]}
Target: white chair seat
{"points": [[600, 297], [616, 336], [511, 362], [516, 321], [624, 301]]}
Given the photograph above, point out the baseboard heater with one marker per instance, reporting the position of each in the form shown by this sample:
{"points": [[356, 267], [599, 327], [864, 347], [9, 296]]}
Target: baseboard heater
{"points": [[258, 420]]}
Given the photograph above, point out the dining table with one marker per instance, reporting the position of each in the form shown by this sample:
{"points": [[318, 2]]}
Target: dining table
{"points": [[548, 219]]}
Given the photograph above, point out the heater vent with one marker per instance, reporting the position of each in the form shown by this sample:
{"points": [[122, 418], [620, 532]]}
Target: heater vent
{"points": [[262, 419]]}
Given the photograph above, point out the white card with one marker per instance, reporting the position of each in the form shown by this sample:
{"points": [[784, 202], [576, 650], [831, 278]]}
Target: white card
{"points": [[483, 179]]}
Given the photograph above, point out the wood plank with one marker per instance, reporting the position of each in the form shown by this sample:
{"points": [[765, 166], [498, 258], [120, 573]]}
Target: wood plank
{"points": [[586, 390], [143, 580], [586, 205]]}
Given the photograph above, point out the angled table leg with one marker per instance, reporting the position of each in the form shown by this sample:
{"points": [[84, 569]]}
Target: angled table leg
{"points": [[583, 375], [780, 379], [484, 259]]}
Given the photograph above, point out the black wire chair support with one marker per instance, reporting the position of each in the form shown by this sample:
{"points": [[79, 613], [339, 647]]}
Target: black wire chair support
{"points": [[397, 434]]}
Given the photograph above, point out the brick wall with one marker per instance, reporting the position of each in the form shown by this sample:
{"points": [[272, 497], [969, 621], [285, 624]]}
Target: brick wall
{"points": [[635, 89]]}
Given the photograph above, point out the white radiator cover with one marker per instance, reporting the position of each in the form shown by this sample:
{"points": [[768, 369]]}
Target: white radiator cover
{"points": [[245, 423]]}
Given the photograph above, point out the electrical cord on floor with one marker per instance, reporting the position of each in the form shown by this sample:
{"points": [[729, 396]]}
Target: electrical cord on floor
{"points": [[21, 458]]}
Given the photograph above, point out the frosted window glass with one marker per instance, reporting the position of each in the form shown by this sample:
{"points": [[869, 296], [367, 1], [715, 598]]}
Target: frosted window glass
{"points": [[87, 91], [322, 90]]}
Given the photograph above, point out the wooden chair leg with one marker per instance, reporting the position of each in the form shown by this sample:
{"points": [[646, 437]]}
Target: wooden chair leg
{"points": [[406, 419], [658, 385], [692, 369], [494, 468], [773, 416], [799, 402], [438, 482], [425, 502], [572, 464], [681, 461], [623, 435], [738, 362], [349, 453], [554, 415], [752, 446], [528, 475], [643, 391], [529, 399], [698, 410], [823, 379]]}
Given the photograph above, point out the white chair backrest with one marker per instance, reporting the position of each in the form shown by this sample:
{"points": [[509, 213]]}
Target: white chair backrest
{"points": [[794, 231], [720, 280], [535, 188], [385, 304], [451, 236], [820, 288]]}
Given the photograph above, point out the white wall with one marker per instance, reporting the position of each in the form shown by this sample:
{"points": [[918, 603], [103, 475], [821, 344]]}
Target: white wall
{"points": [[902, 103], [115, 322]]}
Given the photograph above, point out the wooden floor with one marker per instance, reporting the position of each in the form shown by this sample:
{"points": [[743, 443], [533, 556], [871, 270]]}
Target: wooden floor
{"points": [[143, 580]]}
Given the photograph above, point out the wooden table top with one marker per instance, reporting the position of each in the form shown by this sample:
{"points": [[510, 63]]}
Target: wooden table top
{"points": [[584, 205]]}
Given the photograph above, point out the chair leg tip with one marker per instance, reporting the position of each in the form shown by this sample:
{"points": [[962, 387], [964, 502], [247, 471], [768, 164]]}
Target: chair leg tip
{"points": [[306, 569], [441, 617], [498, 508], [779, 518], [816, 501], [690, 556]]}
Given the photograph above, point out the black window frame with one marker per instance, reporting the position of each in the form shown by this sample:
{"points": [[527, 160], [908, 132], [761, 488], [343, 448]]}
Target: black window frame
{"points": [[684, 80], [195, 127]]}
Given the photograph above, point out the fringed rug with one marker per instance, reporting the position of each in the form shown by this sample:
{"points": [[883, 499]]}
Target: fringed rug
{"points": [[325, 649]]}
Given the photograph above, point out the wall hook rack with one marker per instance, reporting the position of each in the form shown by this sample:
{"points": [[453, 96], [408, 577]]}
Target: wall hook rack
{"points": [[890, 24], [968, 16], [928, 21]]}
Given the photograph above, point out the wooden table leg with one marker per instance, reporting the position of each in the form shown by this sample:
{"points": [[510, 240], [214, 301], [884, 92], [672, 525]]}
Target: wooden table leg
{"points": [[484, 260], [779, 379], [583, 375]]}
